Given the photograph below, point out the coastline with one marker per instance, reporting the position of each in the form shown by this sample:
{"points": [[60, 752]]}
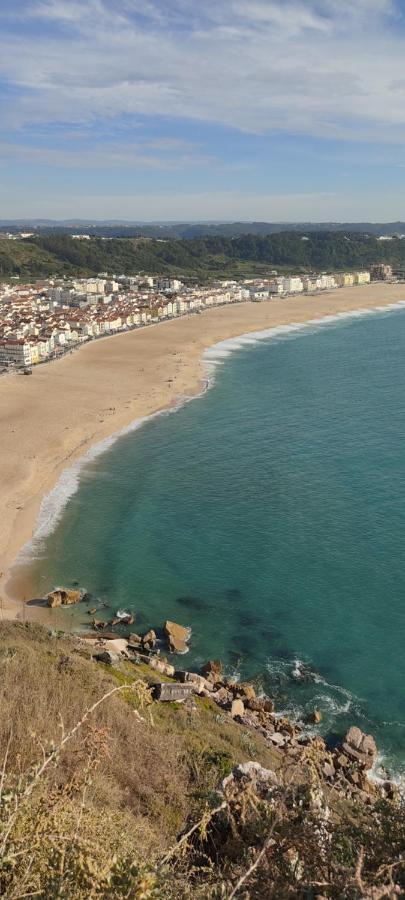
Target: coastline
{"points": [[84, 402]]}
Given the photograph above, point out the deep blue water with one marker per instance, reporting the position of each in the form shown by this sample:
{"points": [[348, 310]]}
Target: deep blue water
{"points": [[269, 515]]}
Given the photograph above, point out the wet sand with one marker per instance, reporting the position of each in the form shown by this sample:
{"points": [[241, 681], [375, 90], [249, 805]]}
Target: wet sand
{"points": [[52, 418]]}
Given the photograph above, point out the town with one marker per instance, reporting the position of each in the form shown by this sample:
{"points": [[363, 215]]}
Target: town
{"points": [[48, 318]]}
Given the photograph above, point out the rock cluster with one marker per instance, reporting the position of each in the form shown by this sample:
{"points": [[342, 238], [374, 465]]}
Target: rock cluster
{"points": [[346, 767]]}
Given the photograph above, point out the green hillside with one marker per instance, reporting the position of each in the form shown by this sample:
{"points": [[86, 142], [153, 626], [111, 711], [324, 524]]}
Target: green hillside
{"points": [[202, 257]]}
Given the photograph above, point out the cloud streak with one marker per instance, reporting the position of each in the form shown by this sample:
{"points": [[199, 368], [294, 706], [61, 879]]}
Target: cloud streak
{"points": [[327, 69]]}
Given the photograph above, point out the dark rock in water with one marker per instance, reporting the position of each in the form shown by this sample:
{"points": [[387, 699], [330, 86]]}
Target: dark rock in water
{"points": [[167, 692], [233, 594], [192, 602], [303, 672], [246, 619], [315, 717]]}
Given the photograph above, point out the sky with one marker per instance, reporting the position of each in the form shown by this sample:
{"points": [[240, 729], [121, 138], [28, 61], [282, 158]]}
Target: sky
{"points": [[270, 110]]}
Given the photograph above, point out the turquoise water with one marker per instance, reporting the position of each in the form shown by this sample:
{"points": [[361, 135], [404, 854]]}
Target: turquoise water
{"points": [[268, 514]]}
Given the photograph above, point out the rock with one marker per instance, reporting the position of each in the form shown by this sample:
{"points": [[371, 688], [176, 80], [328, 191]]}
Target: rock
{"points": [[126, 620], [106, 657], [161, 665], [261, 704], [360, 747], [315, 717], [114, 622], [342, 761], [277, 739], [221, 696], [168, 692], [135, 641], [247, 691], [98, 624], [92, 611], [212, 670], [149, 640], [249, 775], [63, 597], [199, 683], [237, 708], [328, 770], [177, 636]]}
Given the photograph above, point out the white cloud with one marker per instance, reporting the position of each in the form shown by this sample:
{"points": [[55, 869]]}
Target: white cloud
{"points": [[332, 69]]}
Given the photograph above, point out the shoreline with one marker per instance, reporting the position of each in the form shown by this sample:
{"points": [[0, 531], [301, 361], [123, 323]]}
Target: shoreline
{"points": [[66, 397]]}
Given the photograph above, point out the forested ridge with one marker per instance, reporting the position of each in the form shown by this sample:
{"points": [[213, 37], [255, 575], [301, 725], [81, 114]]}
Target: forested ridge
{"points": [[204, 256]]}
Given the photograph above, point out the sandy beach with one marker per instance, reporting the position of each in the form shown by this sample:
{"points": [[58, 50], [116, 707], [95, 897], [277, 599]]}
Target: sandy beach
{"points": [[52, 418]]}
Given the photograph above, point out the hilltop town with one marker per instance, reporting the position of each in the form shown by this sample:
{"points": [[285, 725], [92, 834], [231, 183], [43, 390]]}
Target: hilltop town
{"points": [[48, 318]]}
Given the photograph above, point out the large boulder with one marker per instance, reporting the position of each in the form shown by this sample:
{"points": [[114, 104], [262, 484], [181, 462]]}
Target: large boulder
{"points": [[161, 665], [178, 637], [149, 640], [63, 597], [212, 670], [199, 683], [237, 708], [169, 692], [360, 747]]}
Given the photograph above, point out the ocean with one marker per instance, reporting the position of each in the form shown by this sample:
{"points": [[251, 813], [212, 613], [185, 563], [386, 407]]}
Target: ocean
{"points": [[268, 514]]}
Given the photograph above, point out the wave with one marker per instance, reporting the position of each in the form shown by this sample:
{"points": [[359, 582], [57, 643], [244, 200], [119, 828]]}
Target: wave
{"points": [[219, 352]]}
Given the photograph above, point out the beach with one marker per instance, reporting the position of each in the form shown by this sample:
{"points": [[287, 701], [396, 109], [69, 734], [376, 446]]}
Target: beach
{"points": [[51, 419]]}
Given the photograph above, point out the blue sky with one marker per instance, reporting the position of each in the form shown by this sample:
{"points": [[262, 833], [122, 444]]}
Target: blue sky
{"points": [[203, 109]]}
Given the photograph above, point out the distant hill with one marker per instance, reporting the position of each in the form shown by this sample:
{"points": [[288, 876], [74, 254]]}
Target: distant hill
{"points": [[199, 257], [190, 230]]}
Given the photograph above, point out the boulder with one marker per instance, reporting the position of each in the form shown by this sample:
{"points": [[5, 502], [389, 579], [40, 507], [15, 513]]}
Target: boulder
{"points": [[106, 657], [261, 704], [168, 692], [360, 747], [161, 665], [278, 739], [126, 620], [149, 640], [315, 717], [199, 683], [98, 624], [178, 637], [237, 708], [252, 776], [212, 670], [221, 696], [63, 597], [135, 641], [246, 691]]}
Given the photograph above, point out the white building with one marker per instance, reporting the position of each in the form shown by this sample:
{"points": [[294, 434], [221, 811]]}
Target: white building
{"points": [[293, 284], [15, 352]]}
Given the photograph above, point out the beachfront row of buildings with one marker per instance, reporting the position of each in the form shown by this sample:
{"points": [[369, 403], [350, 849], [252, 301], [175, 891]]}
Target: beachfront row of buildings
{"points": [[42, 321]]}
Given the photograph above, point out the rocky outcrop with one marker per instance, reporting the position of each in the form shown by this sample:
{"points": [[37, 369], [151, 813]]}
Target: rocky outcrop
{"points": [[212, 670], [359, 747], [177, 636], [63, 597]]}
